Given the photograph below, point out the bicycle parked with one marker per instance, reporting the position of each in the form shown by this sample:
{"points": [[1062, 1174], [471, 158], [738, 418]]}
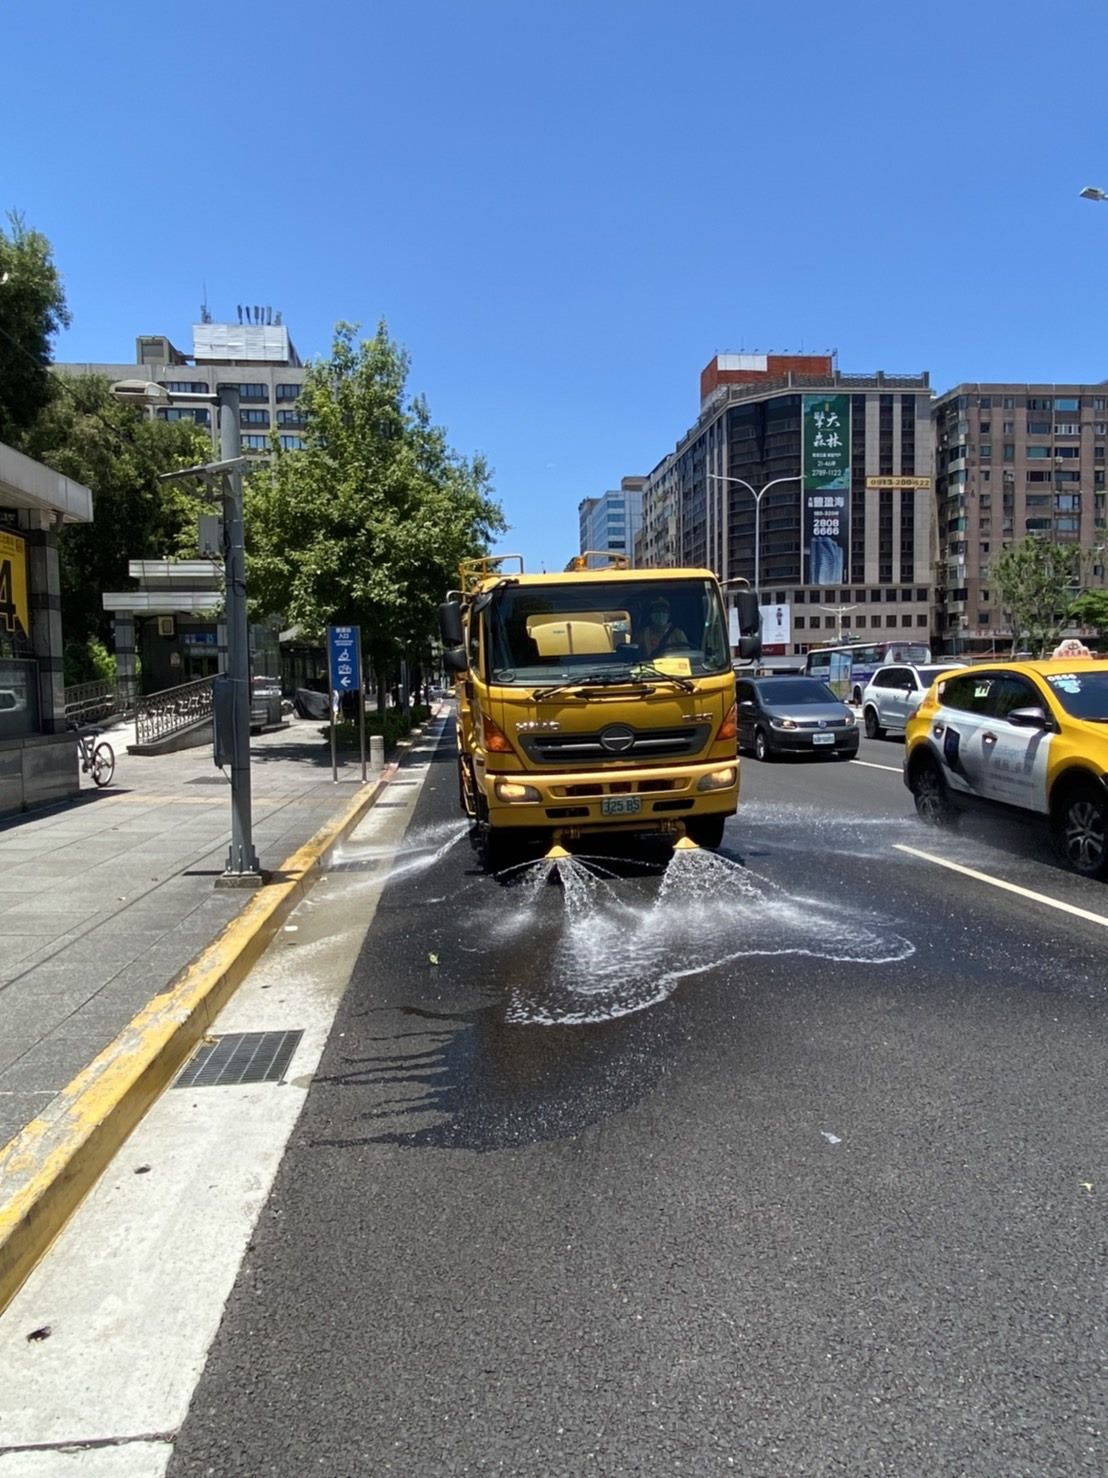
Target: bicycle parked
{"points": [[97, 759]]}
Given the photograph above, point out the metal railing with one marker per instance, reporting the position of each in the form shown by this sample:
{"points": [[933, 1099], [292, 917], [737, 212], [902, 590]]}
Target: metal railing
{"points": [[173, 710], [89, 703]]}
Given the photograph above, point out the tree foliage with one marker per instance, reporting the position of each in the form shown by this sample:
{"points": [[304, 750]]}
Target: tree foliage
{"points": [[1091, 609], [1033, 584], [366, 525], [32, 310], [86, 434]]}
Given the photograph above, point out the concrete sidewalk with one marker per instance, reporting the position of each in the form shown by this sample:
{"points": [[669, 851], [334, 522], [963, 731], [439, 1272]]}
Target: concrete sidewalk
{"points": [[105, 900]]}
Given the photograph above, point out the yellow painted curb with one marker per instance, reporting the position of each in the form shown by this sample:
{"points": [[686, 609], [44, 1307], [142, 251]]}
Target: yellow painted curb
{"points": [[52, 1164]]}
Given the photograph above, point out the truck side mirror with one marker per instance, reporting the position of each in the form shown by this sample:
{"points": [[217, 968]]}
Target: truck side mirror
{"points": [[454, 659], [749, 616], [750, 647], [450, 623]]}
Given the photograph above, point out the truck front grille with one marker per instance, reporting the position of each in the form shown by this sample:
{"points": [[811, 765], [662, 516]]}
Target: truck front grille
{"points": [[647, 746]]}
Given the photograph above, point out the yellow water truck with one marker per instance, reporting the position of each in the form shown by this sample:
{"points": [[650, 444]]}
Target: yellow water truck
{"points": [[596, 700]]}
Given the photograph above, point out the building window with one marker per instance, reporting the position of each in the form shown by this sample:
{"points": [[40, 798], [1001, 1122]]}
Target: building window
{"points": [[187, 387], [200, 414], [799, 622], [288, 392], [1099, 402], [799, 596], [1067, 403], [1037, 453], [985, 402], [1067, 428], [921, 620], [1009, 403], [255, 443], [986, 475], [290, 418], [253, 392], [986, 451], [1009, 451], [253, 418], [890, 620], [292, 443]]}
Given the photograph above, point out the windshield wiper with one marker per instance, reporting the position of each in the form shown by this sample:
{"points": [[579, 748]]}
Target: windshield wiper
{"points": [[666, 677], [624, 678], [586, 680]]}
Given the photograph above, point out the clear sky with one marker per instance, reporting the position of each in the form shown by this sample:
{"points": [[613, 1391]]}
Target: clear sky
{"points": [[563, 210]]}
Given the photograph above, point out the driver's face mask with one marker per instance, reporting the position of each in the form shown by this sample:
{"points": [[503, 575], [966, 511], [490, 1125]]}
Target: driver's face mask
{"points": [[659, 617]]}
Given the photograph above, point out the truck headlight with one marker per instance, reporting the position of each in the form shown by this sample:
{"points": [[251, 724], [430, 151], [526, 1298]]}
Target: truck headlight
{"points": [[717, 780], [510, 790]]}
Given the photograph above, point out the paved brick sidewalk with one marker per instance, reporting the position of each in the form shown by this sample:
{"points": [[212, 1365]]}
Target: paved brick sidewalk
{"points": [[104, 900]]}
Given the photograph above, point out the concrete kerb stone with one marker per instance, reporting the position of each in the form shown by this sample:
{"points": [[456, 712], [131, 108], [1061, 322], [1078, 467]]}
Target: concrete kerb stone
{"points": [[52, 1164]]}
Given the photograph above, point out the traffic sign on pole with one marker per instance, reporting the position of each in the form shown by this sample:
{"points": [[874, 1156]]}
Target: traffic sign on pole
{"points": [[344, 646]]}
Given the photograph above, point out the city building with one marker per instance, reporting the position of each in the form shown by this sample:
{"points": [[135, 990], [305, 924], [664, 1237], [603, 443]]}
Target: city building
{"points": [[814, 485], [611, 523], [171, 621], [1010, 461], [256, 354]]}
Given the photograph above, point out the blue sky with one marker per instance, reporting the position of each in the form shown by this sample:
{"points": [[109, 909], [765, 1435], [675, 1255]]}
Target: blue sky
{"points": [[564, 210]]}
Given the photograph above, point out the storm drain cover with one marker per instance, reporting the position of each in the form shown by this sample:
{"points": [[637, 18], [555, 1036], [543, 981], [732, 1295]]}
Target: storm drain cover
{"points": [[240, 1057]]}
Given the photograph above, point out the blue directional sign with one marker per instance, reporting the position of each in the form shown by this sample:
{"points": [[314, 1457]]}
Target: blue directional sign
{"points": [[343, 650]]}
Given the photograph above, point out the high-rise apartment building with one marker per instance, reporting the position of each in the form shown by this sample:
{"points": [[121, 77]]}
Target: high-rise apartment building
{"points": [[1011, 461], [257, 355], [611, 522], [820, 479]]}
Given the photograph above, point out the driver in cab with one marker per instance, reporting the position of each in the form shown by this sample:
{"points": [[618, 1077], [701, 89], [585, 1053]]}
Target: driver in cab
{"points": [[659, 633]]}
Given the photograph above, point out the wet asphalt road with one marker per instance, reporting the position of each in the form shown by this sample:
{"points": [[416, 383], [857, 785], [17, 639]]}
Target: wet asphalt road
{"points": [[833, 1204]]}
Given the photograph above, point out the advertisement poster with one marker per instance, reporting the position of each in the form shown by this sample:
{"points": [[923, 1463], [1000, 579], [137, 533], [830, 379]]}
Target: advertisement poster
{"points": [[15, 618], [776, 629], [825, 499]]}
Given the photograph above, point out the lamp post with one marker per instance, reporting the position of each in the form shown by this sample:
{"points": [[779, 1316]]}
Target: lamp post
{"points": [[839, 612], [757, 494], [1093, 192], [243, 869]]}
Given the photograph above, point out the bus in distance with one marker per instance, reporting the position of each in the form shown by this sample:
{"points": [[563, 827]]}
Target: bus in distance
{"points": [[848, 668]]}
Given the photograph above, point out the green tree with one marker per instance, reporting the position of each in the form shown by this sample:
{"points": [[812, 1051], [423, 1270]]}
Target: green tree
{"points": [[1091, 609], [87, 434], [368, 523], [1032, 582], [32, 310]]}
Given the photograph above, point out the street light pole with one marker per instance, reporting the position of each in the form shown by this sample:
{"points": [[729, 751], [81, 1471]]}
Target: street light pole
{"points": [[242, 860], [839, 612], [243, 869], [757, 494]]}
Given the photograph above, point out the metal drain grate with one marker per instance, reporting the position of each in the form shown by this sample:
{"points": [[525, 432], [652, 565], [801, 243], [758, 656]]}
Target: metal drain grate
{"points": [[240, 1057]]}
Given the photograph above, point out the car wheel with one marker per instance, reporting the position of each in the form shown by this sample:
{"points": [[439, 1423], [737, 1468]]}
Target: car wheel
{"points": [[761, 745], [1080, 822], [705, 831], [873, 728], [933, 803]]}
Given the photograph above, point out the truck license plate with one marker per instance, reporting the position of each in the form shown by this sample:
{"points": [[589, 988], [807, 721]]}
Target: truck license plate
{"points": [[620, 805], [823, 738]]}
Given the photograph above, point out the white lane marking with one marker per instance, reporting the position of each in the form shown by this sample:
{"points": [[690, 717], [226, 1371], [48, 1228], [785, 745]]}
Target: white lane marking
{"points": [[983, 877], [893, 769]]}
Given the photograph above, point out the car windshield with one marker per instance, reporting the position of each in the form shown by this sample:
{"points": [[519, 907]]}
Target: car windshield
{"points": [[927, 675], [1082, 694], [793, 690], [600, 631]]}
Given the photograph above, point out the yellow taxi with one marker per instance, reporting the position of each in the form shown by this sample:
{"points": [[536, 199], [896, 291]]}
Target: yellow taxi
{"points": [[1026, 738]]}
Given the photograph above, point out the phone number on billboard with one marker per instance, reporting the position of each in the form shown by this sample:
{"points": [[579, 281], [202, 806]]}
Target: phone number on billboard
{"points": [[826, 526]]}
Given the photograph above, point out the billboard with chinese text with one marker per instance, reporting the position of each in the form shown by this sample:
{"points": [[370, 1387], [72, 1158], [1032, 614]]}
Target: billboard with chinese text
{"points": [[825, 499]]}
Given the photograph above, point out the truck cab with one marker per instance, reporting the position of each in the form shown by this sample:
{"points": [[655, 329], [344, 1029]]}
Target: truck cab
{"points": [[593, 701]]}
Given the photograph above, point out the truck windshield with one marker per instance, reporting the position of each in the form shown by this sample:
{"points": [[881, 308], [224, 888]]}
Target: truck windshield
{"points": [[555, 633]]}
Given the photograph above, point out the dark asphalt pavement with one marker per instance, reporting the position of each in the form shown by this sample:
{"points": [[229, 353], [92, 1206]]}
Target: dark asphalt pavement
{"points": [[832, 1204]]}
